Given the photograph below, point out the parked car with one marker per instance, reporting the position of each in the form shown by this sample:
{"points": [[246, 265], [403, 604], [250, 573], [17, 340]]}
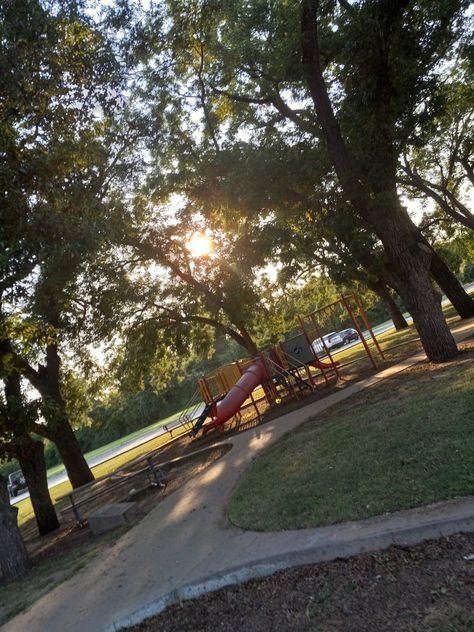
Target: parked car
{"points": [[332, 341], [16, 483], [348, 335]]}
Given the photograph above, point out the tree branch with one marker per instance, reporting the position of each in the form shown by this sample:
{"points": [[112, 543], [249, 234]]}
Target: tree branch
{"points": [[202, 98], [242, 98], [415, 180], [205, 320], [468, 168], [337, 149]]}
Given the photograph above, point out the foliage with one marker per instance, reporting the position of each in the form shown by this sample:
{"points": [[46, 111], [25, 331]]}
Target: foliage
{"points": [[439, 159], [63, 153]]}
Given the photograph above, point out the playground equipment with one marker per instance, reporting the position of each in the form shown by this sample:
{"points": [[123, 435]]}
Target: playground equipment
{"points": [[289, 368], [351, 308], [224, 407]]}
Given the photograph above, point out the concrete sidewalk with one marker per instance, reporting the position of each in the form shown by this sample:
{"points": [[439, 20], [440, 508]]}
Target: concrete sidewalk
{"points": [[186, 546]]}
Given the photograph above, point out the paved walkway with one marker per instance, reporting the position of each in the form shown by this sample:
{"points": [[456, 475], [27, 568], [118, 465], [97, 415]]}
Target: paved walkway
{"points": [[186, 546]]}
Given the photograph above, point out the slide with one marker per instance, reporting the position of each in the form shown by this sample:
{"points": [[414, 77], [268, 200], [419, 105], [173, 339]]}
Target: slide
{"points": [[230, 405], [324, 365]]}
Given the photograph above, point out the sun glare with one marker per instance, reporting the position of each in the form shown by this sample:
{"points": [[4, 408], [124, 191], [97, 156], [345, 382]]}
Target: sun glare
{"points": [[199, 245]]}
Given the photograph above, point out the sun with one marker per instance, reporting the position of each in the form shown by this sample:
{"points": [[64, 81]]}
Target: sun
{"points": [[199, 245]]}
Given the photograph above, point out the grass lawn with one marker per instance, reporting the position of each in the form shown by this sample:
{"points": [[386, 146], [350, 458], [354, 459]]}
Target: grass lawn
{"points": [[406, 442]]}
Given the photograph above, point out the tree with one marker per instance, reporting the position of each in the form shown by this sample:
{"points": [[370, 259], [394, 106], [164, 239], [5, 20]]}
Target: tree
{"points": [[296, 223], [439, 161], [17, 418], [14, 561], [354, 80], [373, 187], [217, 289], [60, 160]]}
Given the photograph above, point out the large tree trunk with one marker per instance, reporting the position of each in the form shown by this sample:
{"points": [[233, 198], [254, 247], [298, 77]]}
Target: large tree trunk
{"points": [[375, 200], [382, 290], [46, 380], [30, 455], [408, 268], [62, 435], [14, 561], [447, 281], [58, 428]]}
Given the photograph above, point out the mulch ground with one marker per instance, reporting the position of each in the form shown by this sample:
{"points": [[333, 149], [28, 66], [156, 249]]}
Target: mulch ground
{"points": [[424, 588]]}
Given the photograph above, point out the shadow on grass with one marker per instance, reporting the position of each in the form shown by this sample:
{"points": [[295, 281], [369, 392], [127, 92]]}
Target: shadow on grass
{"points": [[405, 442]]}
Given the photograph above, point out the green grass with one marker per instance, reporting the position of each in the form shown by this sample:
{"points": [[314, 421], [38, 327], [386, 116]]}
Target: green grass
{"points": [[17, 596], [133, 435], [386, 340], [391, 338], [407, 442]]}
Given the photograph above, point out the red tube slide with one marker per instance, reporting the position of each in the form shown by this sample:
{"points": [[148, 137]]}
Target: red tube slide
{"points": [[230, 405], [324, 365]]}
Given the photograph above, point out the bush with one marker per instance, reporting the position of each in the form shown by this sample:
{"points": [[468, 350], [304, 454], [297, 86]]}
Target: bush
{"points": [[467, 271]]}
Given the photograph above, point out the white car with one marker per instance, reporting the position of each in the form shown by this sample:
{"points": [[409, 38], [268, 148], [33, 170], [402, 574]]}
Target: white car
{"points": [[332, 341]]}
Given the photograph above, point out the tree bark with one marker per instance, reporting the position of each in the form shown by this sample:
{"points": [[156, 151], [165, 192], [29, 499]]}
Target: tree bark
{"points": [[247, 340], [46, 380], [30, 455], [62, 435], [408, 260], [447, 281], [14, 561], [58, 428], [381, 289]]}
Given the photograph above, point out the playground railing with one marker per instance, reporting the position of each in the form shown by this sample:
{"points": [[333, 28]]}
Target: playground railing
{"points": [[283, 375], [190, 412]]}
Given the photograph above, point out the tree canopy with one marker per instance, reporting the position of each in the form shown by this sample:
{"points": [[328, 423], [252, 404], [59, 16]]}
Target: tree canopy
{"points": [[284, 137]]}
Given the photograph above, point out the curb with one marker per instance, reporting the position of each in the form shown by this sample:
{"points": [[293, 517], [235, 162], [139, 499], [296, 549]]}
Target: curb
{"points": [[312, 554]]}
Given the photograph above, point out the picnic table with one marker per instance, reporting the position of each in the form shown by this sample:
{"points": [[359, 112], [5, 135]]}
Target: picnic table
{"points": [[117, 478], [120, 476]]}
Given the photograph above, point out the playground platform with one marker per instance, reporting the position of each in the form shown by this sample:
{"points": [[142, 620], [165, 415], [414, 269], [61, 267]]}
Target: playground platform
{"points": [[186, 547]]}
